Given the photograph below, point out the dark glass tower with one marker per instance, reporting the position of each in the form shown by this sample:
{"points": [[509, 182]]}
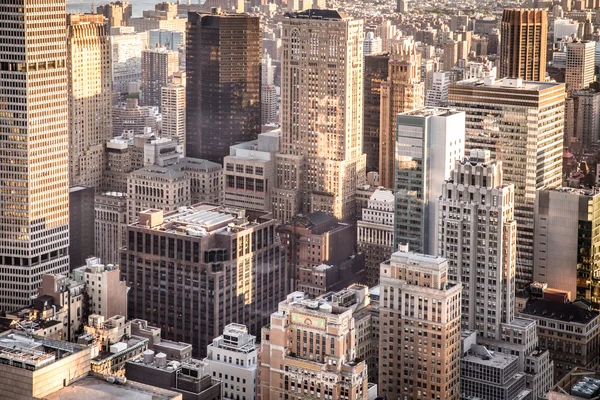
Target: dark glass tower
{"points": [[223, 62]]}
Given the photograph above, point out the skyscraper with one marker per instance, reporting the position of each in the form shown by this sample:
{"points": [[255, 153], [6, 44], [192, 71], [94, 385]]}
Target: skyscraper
{"points": [[579, 73], [172, 99], [376, 71], [223, 59], [419, 339], [523, 45], [519, 122], [34, 160], [117, 13], [321, 160], [429, 141], [402, 91], [90, 97], [158, 67], [477, 234]]}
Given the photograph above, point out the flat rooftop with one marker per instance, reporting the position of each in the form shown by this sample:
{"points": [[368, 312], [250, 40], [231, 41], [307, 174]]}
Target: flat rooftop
{"points": [[498, 360], [98, 389], [507, 83], [432, 111]]}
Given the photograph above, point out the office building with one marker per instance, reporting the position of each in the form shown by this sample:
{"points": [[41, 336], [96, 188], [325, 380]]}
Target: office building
{"points": [[566, 239], [269, 92], [34, 162], [90, 91], [321, 254], [232, 358], [476, 189], [569, 331], [564, 28], [173, 126], [429, 142], [131, 119], [171, 40], [403, 91], [376, 71], [372, 44], [580, 65], [222, 91], [164, 16], [485, 374], [232, 268], [250, 173], [318, 171], [106, 293], [310, 345], [582, 118], [522, 118], [437, 96], [35, 367], [117, 13], [110, 225], [420, 309], [190, 378], [66, 295], [523, 45], [81, 224], [158, 67], [127, 46], [375, 232]]}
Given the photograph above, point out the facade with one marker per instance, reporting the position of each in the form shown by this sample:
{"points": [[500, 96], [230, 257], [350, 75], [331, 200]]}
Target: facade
{"points": [[250, 173], [269, 96], [67, 294], [171, 40], [402, 92], [520, 119], [107, 295], [35, 367], [581, 57], [127, 46], [232, 268], [116, 13], [481, 250], [90, 91], [375, 233], [437, 96], [158, 67], [566, 241], [132, 119], [81, 224], [232, 358], [418, 301], [376, 72], [318, 171], [569, 332], [523, 44], [315, 242], [172, 98], [222, 92], [429, 142], [372, 44], [311, 345], [34, 161], [164, 16]]}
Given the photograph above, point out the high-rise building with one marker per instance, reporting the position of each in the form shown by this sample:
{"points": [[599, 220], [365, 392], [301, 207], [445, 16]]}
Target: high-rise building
{"points": [[127, 46], [582, 118], [420, 309], [269, 98], [231, 268], [158, 67], [110, 225], [90, 97], [376, 71], [375, 233], [321, 160], [437, 96], [164, 16], [566, 239], [429, 142], [223, 59], [523, 44], [522, 121], [117, 13], [250, 172], [372, 44], [171, 40], [233, 359], [580, 65], [81, 224], [403, 91], [476, 189], [34, 150], [311, 345], [172, 99]]}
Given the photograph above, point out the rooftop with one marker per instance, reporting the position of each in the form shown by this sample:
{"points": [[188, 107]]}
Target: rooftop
{"points": [[559, 311], [432, 111], [98, 389], [314, 13], [508, 84], [490, 359]]}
